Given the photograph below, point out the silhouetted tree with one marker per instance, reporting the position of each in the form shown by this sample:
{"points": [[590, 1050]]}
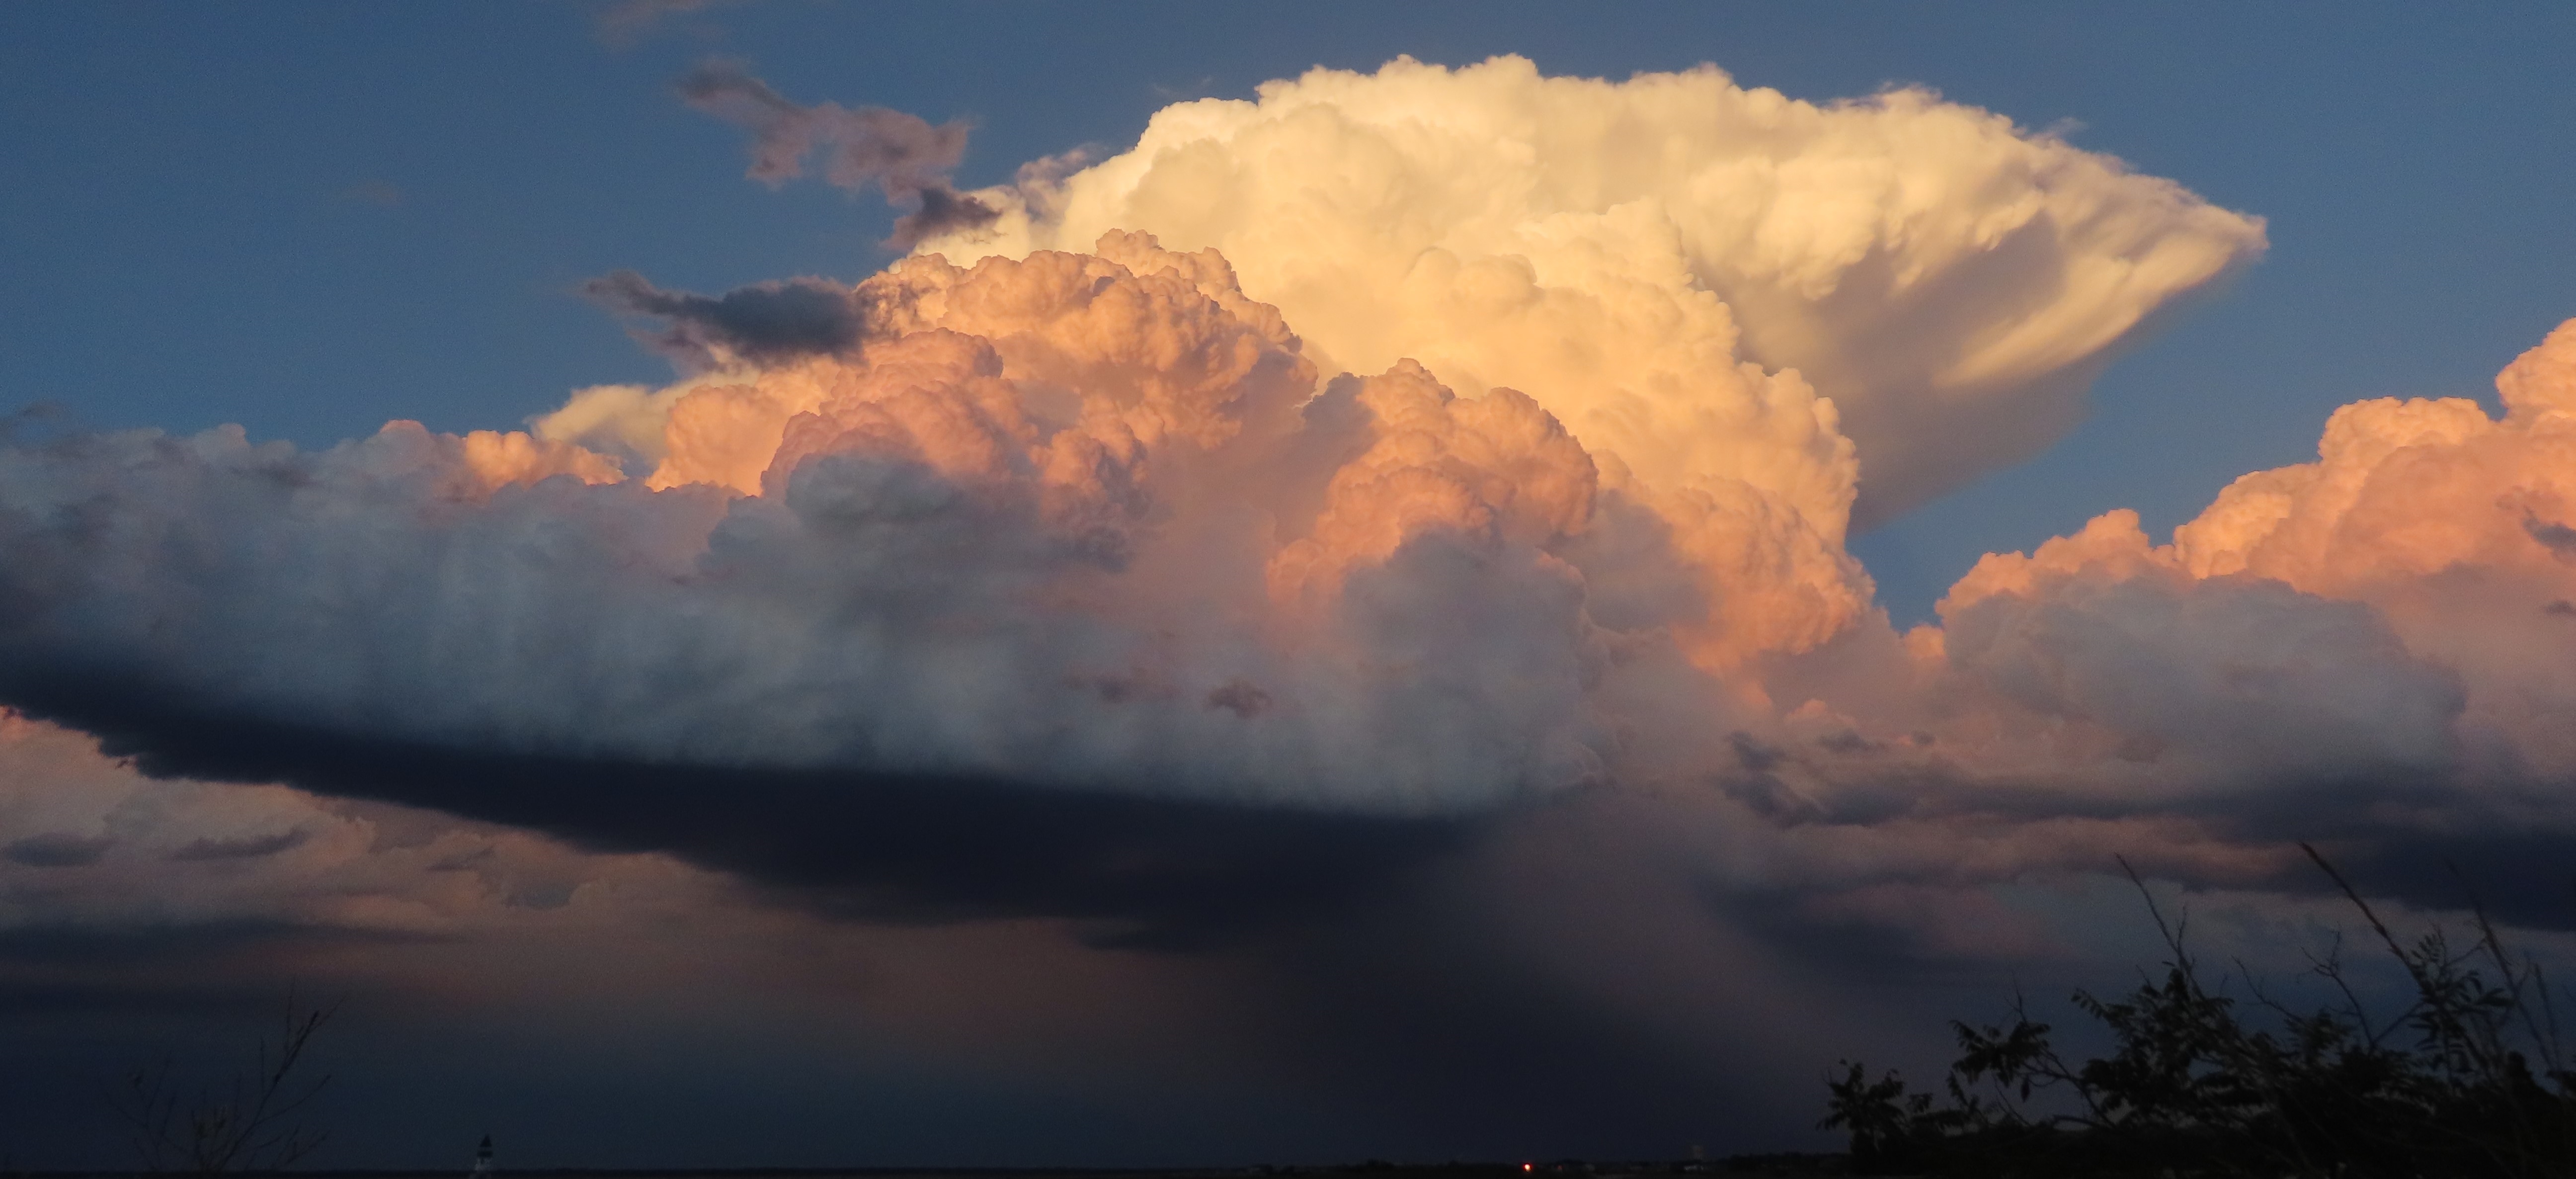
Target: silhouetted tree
{"points": [[2469, 1079], [252, 1121]]}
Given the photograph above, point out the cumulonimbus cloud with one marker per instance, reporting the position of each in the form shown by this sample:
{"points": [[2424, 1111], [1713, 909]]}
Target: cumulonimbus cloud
{"points": [[1104, 524], [1652, 258]]}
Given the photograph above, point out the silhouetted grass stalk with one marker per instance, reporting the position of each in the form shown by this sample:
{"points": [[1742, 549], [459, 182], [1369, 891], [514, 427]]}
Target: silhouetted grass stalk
{"points": [[254, 1122], [2444, 1087]]}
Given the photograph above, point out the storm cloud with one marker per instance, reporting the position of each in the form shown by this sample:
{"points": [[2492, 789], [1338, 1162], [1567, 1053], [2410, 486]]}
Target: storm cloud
{"points": [[1429, 637]]}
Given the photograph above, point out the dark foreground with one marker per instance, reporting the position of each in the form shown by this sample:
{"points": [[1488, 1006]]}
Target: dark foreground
{"points": [[1768, 1164]]}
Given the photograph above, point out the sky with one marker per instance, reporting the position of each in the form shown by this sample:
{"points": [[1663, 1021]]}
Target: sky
{"points": [[1108, 706]]}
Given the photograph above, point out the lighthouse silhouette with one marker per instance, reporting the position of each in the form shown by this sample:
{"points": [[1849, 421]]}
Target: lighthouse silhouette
{"points": [[483, 1158]]}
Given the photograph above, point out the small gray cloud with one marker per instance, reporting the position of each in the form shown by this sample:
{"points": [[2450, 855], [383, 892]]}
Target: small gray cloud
{"points": [[766, 321], [903, 155]]}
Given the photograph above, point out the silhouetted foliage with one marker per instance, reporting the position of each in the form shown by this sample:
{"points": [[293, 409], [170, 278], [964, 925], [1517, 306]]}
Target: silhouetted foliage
{"points": [[253, 1121], [2467, 1080]]}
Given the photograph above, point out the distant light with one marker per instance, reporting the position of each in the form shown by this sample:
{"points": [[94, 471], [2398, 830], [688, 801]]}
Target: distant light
{"points": [[1525, 1166]]}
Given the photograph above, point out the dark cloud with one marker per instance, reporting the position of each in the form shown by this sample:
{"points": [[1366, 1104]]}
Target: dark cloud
{"points": [[1343, 980], [2442, 859], [2556, 537], [903, 155], [764, 322], [943, 210], [53, 850], [251, 848], [1437, 987], [2416, 841], [2400, 832], [1133, 871]]}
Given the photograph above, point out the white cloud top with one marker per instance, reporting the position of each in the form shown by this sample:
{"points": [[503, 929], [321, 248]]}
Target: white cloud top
{"points": [[1649, 257]]}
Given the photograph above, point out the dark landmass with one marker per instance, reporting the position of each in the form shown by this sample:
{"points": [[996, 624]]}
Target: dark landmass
{"points": [[1751, 1164]]}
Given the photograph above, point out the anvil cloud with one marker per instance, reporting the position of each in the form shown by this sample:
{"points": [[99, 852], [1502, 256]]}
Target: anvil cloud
{"points": [[1680, 268]]}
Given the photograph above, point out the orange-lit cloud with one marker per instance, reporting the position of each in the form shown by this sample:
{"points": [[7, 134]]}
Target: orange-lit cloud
{"points": [[2414, 581]]}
